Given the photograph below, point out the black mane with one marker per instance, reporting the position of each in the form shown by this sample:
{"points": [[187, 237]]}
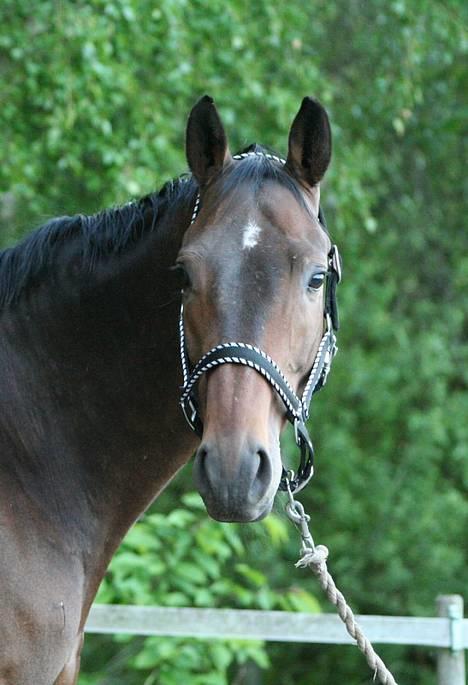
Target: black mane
{"points": [[111, 231], [107, 233]]}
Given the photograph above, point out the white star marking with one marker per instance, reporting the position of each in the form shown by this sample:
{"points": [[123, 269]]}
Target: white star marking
{"points": [[250, 235]]}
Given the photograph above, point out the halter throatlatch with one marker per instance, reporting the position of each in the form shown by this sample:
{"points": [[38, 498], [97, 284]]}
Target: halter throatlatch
{"points": [[297, 408]]}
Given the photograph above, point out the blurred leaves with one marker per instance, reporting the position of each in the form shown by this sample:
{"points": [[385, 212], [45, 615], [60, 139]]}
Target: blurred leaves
{"points": [[186, 559]]}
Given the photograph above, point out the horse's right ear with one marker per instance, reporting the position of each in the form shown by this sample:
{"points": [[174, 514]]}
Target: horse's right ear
{"points": [[206, 142], [309, 143]]}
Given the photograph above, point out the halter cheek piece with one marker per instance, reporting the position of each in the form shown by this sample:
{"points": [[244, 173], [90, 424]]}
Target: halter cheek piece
{"points": [[297, 408]]}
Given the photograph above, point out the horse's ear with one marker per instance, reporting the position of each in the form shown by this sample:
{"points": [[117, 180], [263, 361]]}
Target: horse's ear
{"points": [[206, 142], [310, 146]]}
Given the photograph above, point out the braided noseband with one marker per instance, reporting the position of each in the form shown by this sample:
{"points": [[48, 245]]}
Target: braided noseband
{"points": [[297, 408]]}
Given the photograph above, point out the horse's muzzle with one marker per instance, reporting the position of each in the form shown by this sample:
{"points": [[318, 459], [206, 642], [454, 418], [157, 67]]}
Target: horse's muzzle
{"points": [[236, 482]]}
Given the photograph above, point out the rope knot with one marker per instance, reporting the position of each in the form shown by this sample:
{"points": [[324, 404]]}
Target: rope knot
{"points": [[314, 557]]}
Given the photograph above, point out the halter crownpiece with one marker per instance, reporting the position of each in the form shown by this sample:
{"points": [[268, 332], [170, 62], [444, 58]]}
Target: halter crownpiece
{"points": [[241, 155], [297, 408]]}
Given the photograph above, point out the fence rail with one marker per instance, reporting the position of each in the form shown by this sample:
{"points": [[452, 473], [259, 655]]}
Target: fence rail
{"points": [[448, 632], [279, 626]]}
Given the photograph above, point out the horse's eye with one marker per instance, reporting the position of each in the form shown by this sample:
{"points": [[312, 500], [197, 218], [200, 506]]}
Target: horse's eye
{"points": [[182, 277], [316, 281]]}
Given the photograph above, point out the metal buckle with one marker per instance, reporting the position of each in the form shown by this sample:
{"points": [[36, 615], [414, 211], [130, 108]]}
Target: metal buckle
{"points": [[300, 432], [302, 437], [189, 418]]}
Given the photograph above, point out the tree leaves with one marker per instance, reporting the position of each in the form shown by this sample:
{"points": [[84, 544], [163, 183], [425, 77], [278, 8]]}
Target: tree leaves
{"points": [[160, 562]]}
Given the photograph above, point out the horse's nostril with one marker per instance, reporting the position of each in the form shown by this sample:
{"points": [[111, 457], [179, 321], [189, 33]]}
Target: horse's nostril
{"points": [[264, 466], [200, 465]]}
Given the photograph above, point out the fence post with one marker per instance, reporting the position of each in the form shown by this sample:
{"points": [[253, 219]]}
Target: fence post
{"points": [[451, 662]]}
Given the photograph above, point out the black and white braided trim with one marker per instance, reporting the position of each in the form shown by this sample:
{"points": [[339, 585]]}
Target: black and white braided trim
{"points": [[252, 153], [196, 209], [183, 348], [321, 367]]}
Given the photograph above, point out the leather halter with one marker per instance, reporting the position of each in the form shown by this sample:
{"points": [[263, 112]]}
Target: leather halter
{"points": [[297, 408]]}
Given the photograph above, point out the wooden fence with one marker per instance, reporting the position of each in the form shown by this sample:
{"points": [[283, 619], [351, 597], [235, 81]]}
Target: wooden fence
{"points": [[448, 632]]}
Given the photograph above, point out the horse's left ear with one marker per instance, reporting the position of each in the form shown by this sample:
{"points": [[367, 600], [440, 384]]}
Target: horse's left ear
{"points": [[206, 141], [310, 146]]}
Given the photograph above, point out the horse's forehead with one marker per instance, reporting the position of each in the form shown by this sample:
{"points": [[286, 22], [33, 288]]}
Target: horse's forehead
{"points": [[272, 200], [295, 219], [253, 219]]}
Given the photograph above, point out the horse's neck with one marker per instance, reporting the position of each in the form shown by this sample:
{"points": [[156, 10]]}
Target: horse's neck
{"points": [[91, 425]]}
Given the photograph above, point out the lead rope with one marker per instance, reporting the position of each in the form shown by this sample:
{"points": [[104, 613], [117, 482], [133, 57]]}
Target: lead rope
{"points": [[315, 557]]}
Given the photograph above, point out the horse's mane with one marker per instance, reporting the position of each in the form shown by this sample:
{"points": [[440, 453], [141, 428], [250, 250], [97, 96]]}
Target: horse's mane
{"points": [[107, 233], [111, 231]]}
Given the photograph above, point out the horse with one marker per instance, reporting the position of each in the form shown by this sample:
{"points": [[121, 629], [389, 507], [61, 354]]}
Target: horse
{"points": [[91, 339]]}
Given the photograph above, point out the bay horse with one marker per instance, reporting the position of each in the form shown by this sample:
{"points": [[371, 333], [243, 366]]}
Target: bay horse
{"points": [[90, 424]]}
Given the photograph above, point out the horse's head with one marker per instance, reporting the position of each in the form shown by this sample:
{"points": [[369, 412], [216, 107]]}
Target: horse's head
{"points": [[254, 263]]}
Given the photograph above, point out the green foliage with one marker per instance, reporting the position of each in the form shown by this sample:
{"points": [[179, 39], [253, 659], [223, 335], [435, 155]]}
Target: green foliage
{"points": [[94, 100], [186, 559]]}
